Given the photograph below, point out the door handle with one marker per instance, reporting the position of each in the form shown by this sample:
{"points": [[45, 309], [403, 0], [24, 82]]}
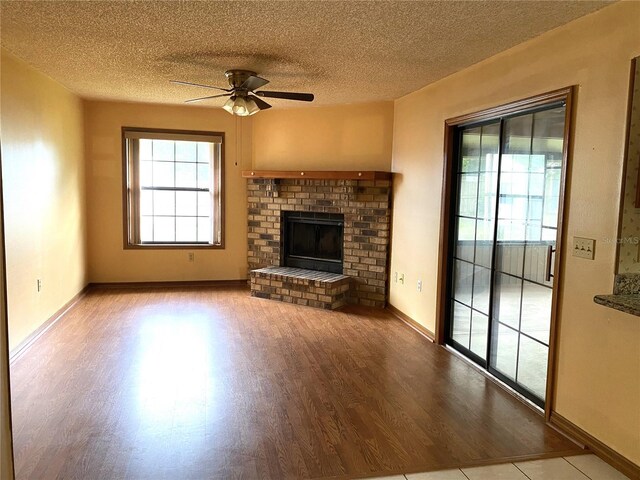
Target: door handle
{"points": [[550, 251]]}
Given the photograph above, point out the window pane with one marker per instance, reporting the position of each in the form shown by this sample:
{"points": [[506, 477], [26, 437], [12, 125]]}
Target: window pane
{"points": [[186, 229], [186, 175], [163, 174], [204, 230], [164, 203], [164, 229], [519, 207], [204, 204], [520, 163], [146, 229], [510, 231], [549, 234], [145, 151], [163, 150], [516, 183], [186, 152], [205, 152], [146, 173], [535, 208], [186, 204], [146, 202], [534, 231], [536, 184], [204, 175]]}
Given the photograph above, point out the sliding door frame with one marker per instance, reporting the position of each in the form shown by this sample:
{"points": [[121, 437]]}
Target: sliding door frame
{"points": [[448, 204]]}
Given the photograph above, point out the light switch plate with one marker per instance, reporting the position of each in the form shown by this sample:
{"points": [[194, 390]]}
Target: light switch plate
{"points": [[584, 247]]}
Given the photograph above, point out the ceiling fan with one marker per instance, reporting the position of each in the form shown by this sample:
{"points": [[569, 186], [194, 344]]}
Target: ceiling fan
{"points": [[244, 99]]}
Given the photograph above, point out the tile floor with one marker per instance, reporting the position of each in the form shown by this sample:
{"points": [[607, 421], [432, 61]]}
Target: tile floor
{"points": [[579, 467]]}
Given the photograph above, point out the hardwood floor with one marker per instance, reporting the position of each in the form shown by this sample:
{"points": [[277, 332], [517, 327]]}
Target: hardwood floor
{"points": [[207, 383]]}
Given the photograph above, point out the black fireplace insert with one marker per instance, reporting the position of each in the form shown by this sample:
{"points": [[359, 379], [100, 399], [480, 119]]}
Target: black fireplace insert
{"points": [[313, 241]]}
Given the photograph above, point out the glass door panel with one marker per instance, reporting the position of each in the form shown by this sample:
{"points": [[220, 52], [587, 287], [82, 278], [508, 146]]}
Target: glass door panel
{"points": [[507, 298], [529, 192], [508, 181], [481, 289], [536, 306], [477, 182], [532, 366], [479, 334], [504, 354], [463, 275], [461, 325]]}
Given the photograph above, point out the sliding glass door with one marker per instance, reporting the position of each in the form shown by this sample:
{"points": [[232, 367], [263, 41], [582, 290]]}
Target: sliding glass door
{"points": [[505, 220], [477, 179]]}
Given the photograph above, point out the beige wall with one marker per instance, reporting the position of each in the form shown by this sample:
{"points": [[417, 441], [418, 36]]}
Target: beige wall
{"points": [[344, 137], [6, 442], [628, 256], [108, 261], [598, 384], [44, 198]]}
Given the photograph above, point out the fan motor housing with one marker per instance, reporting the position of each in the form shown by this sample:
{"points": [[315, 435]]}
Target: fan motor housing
{"points": [[237, 77]]}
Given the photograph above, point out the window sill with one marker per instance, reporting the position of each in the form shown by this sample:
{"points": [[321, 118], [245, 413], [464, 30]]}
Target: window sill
{"points": [[167, 246]]}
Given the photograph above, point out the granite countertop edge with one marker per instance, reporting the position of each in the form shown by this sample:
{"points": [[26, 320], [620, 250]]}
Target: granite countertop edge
{"points": [[629, 303]]}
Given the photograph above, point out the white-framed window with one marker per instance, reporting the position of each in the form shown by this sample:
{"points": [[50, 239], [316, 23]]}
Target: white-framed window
{"points": [[173, 188]]}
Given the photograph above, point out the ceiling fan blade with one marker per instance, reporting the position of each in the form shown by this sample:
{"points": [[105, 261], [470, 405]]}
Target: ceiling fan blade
{"points": [[178, 82], [303, 97], [206, 98], [262, 105], [253, 82]]}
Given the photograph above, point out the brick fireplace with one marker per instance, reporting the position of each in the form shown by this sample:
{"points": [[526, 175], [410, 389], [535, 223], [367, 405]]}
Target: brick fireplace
{"points": [[361, 199]]}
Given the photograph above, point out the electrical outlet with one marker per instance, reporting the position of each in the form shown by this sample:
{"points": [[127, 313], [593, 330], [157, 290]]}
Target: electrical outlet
{"points": [[584, 248], [192, 256], [39, 284], [419, 285], [401, 278]]}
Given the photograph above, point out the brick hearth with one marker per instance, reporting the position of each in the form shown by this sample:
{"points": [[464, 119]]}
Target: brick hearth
{"points": [[365, 206], [303, 287]]}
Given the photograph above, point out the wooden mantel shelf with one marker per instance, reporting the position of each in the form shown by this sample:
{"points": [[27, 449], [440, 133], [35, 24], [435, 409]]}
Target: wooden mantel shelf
{"points": [[318, 175]]}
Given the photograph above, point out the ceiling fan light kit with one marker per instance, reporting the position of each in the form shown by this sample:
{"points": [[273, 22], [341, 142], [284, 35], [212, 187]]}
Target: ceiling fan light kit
{"points": [[244, 99], [241, 106]]}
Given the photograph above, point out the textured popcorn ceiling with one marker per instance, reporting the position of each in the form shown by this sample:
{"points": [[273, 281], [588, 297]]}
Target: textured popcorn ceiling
{"points": [[342, 51]]}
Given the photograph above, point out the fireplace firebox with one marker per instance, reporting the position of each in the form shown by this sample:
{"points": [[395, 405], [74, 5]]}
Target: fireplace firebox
{"points": [[313, 241]]}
